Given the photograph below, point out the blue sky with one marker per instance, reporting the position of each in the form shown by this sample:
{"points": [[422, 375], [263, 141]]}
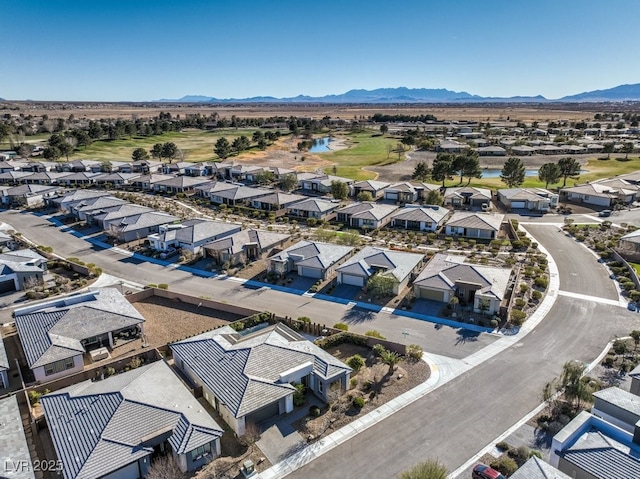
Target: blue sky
{"points": [[149, 49]]}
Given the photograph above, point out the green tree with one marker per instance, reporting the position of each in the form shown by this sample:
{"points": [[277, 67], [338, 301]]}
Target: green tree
{"points": [[288, 182], [608, 149], [365, 196], [156, 151], [257, 136], [390, 358], [169, 150], [431, 469], [381, 285], [434, 198], [635, 335], [384, 128], [468, 165], [421, 172], [513, 172], [265, 177], [549, 173], [222, 148], [139, 154], [627, 148], [350, 238], [569, 168], [576, 388], [240, 144], [339, 190], [442, 168]]}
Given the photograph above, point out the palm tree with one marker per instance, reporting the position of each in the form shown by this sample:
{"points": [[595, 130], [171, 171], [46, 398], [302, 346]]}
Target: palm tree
{"points": [[576, 389], [431, 469], [390, 358]]}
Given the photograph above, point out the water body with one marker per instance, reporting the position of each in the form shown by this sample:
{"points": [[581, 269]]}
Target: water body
{"points": [[320, 145], [495, 172]]}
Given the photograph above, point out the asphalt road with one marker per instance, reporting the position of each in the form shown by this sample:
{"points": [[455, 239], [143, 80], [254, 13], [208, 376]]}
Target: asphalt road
{"points": [[456, 420], [452, 342]]}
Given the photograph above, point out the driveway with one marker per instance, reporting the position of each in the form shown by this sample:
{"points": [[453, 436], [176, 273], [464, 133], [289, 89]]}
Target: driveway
{"points": [[346, 291]]}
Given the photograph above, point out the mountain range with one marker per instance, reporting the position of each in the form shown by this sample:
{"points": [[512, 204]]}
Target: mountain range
{"points": [[424, 95]]}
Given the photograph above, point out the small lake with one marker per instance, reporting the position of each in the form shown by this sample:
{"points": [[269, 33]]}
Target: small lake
{"points": [[320, 145], [496, 172]]}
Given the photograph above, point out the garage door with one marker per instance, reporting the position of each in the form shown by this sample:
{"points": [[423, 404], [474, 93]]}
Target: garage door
{"points": [[132, 471], [352, 280], [517, 204], [391, 196], [7, 286], [431, 294], [263, 414], [310, 272]]}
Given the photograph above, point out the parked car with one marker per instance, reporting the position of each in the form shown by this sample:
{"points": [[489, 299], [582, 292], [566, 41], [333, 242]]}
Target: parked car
{"points": [[631, 306], [605, 213], [482, 471]]}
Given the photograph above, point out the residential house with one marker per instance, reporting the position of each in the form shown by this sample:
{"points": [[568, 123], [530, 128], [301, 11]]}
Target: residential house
{"points": [[44, 178], [146, 167], [376, 188], [116, 180], [635, 380], [177, 168], [261, 367], [81, 208], [197, 169], [532, 199], [467, 196], [115, 427], [604, 194], [180, 184], [629, 246], [6, 166], [366, 215], [402, 267], [618, 407], [21, 269], [13, 177], [322, 183], [146, 182], [447, 276], [65, 200], [232, 194], [451, 146], [536, 468], [317, 208], [190, 235], [592, 447], [138, 226], [244, 246], [15, 457], [421, 218], [408, 192], [28, 195], [309, 258], [276, 201], [492, 151], [77, 166], [248, 173], [82, 178], [103, 216], [523, 150], [474, 225], [56, 335], [4, 372]]}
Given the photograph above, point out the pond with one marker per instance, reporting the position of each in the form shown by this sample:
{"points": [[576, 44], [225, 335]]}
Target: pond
{"points": [[496, 172], [320, 145]]}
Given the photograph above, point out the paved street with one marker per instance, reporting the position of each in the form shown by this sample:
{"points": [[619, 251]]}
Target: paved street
{"points": [[468, 411]]}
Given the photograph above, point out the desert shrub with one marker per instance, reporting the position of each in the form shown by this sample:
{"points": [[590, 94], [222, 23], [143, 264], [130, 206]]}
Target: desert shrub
{"points": [[355, 362], [341, 338], [110, 371], [341, 326], [414, 351], [135, 362], [541, 282], [304, 319], [505, 465], [517, 317], [520, 455], [311, 221], [358, 402], [34, 397], [620, 346], [353, 382], [524, 287], [494, 323], [378, 349], [634, 295], [533, 452], [503, 446], [314, 411], [608, 361], [374, 334], [536, 294], [298, 396], [520, 302]]}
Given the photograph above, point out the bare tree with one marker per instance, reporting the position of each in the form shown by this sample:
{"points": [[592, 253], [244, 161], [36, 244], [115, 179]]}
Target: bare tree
{"points": [[251, 435], [165, 468]]}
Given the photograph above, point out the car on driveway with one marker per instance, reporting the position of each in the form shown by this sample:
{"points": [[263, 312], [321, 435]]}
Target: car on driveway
{"points": [[482, 471], [605, 213]]}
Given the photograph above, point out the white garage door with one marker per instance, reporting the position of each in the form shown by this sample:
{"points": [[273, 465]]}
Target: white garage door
{"points": [[433, 295], [391, 196], [352, 280], [309, 272], [517, 204]]}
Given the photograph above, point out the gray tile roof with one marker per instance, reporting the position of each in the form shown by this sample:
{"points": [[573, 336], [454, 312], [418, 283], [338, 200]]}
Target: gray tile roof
{"points": [[118, 211], [238, 241], [77, 195], [98, 427], [243, 372], [315, 205], [368, 210], [482, 221], [152, 178], [97, 203], [142, 220], [30, 189], [529, 194], [602, 457], [620, 398], [235, 192], [183, 182], [280, 198], [197, 230], [371, 185], [468, 191], [429, 214], [536, 468], [313, 253], [13, 443], [53, 331], [371, 259], [4, 361]]}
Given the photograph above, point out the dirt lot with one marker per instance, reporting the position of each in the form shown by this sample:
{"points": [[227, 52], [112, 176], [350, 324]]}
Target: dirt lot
{"points": [[375, 383], [167, 320]]}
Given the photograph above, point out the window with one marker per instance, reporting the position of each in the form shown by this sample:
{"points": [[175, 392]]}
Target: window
{"points": [[200, 452], [58, 366]]}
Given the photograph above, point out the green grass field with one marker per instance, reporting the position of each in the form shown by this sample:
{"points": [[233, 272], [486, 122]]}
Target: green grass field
{"points": [[364, 149]]}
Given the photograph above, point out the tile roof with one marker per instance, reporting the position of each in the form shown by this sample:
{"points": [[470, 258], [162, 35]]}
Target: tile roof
{"points": [[529, 194], [13, 442], [98, 427], [371, 185], [313, 254], [372, 259], [142, 220], [118, 211], [482, 221], [368, 210], [183, 182], [316, 205], [54, 330], [243, 372], [238, 241], [536, 468], [428, 213], [620, 398], [280, 198], [468, 192], [602, 457], [197, 230]]}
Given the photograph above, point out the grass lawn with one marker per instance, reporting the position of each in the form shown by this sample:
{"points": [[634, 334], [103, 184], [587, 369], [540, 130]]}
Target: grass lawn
{"points": [[365, 149], [197, 145]]}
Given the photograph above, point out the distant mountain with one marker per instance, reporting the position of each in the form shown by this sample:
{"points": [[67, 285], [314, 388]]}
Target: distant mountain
{"points": [[618, 93], [423, 95]]}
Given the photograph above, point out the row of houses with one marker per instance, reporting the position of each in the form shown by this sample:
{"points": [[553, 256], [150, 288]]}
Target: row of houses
{"points": [[113, 427]]}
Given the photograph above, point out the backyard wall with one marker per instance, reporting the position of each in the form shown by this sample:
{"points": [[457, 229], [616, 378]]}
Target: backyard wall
{"points": [[631, 269]]}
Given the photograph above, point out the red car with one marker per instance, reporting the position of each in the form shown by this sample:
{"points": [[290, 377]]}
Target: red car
{"points": [[482, 471]]}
